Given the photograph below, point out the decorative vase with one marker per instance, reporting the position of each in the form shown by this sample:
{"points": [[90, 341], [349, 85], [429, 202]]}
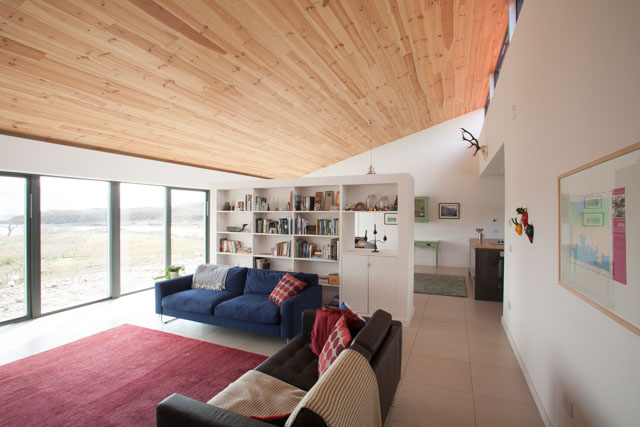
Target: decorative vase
{"points": [[174, 274], [384, 203]]}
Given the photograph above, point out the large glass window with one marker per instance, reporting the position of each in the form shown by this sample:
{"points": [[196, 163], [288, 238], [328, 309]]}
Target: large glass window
{"points": [[74, 242], [13, 292], [141, 235], [188, 215]]}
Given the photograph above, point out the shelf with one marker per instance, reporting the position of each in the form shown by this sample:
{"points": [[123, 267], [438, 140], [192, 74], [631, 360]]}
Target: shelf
{"points": [[271, 256], [234, 211], [234, 232], [329, 236], [314, 212], [370, 211], [316, 259], [270, 212], [328, 285], [233, 253], [271, 234]]}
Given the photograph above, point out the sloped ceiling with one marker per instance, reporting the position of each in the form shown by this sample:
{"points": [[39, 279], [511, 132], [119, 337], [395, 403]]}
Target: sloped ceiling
{"points": [[266, 88]]}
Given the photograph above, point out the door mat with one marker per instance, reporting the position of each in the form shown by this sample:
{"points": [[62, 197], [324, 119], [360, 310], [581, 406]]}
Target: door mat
{"points": [[439, 284]]}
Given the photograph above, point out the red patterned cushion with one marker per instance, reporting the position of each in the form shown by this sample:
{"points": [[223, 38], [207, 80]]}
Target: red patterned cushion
{"points": [[339, 339], [285, 289]]}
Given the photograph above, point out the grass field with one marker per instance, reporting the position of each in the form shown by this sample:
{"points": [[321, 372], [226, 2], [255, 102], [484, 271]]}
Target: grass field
{"points": [[74, 263]]}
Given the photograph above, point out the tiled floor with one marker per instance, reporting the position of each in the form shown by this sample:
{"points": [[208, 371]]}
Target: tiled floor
{"points": [[458, 367]]}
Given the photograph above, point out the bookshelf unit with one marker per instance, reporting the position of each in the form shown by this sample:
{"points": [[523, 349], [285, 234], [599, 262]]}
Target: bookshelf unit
{"points": [[316, 237]]}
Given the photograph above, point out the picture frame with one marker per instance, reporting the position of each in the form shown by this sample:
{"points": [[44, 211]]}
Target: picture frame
{"points": [[391, 218], [596, 250], [449, 210], [421, 209], [240, 205]]}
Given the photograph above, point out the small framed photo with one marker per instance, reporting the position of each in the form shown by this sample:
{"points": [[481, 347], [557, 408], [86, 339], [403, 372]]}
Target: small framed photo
{"points": [[391, 219], [240, 205], [449, 210]]}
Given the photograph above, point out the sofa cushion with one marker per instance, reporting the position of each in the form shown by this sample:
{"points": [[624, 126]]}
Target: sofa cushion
{"points": [[235, 280], [264, 281], [251, 308], [294, 363], [287, 287], [196, 300], [339, 339]]}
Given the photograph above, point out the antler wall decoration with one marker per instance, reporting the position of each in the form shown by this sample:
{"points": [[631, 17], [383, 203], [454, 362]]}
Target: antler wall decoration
{"points": [[473, 143]]}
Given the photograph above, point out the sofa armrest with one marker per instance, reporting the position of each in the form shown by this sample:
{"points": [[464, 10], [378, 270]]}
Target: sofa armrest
{"points": [[179, 410], [292, 308], [171, 286]]}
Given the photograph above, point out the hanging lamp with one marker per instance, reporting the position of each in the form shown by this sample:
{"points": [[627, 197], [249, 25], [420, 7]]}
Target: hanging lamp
{"points": [[371, 170]]}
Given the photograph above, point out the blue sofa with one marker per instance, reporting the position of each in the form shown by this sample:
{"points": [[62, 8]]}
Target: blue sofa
{"points": [[244, 304]]}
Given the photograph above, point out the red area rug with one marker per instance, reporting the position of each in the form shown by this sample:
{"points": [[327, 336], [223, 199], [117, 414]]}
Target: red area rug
{"points": [[116, 377]]}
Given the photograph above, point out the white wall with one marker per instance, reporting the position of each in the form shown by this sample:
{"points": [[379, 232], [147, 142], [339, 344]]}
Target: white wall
{"points": [[445, 171], [22, 155], [572, 74]]}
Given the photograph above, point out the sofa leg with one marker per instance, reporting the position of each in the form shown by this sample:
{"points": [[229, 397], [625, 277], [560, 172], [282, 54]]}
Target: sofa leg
{"points": [[165, 322]]}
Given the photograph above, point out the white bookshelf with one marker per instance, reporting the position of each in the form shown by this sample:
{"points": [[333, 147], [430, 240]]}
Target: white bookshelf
{"points": [[277, 205]]}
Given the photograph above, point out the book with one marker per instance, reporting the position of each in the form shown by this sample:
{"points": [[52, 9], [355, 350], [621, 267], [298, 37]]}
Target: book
{"points": [[318, 201], [328, 200]]}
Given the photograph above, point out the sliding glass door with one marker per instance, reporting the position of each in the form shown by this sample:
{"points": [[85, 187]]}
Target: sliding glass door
{"points": [[188, 228], [13, 290], [74, 242], [141, 235]]}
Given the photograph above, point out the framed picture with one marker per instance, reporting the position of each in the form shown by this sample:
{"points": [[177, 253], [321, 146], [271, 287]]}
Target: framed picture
{"points": [[449, 210], [421, 209], [596, 248], [240, 205], [391, 219]]}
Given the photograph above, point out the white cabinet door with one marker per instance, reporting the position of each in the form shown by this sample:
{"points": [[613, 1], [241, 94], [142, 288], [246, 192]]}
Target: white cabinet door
{"points": [[354, 286], [382, 284]]}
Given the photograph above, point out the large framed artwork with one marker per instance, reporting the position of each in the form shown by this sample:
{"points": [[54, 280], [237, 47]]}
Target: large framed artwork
{"points": [[599, 234]]}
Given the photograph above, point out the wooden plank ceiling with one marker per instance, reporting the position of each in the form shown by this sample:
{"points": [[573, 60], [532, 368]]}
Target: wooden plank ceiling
{"points": [[274, 88]]}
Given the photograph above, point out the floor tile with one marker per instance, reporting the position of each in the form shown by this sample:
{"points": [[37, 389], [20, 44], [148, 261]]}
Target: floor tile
{"points": [[408, 339], [493, 354], [264, 345], [441, 346], [487, 332], [445, 373], [427, 406], [454, 329], [492, 412], [498, 382], [392, 423]]}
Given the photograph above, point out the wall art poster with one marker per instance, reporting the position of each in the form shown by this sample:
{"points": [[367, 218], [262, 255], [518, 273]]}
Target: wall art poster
{"points": [[599, 234]]}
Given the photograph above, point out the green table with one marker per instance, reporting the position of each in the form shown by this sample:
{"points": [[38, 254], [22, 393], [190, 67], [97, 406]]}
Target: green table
{"points": [[428, 244]]}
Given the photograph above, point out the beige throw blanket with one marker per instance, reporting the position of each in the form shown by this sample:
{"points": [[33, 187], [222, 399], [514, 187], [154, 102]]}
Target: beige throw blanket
{"points": [[346, 395], [259, 395]]}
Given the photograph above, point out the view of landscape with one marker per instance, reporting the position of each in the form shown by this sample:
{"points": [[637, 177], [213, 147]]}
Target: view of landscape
{"points": [[74, 240]]}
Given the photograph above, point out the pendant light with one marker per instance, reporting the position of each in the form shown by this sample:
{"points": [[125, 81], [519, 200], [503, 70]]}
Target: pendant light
{"points": [[371, 170]]}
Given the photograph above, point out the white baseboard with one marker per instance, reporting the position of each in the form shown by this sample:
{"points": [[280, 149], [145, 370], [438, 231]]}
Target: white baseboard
{"points": [[543, 413]]}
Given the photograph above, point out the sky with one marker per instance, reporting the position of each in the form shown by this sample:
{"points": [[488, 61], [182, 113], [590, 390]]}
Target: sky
{"points": [[65, 193]]}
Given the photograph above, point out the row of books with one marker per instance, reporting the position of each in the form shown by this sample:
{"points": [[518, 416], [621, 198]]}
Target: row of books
{"points": [[322, 201], [262, 263], [272, 226], [304, 249], [233, 246], [324, 227], [282, 249]]}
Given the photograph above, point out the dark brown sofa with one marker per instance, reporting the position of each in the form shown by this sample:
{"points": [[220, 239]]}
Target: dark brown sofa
{"points": [[379, 341]]}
